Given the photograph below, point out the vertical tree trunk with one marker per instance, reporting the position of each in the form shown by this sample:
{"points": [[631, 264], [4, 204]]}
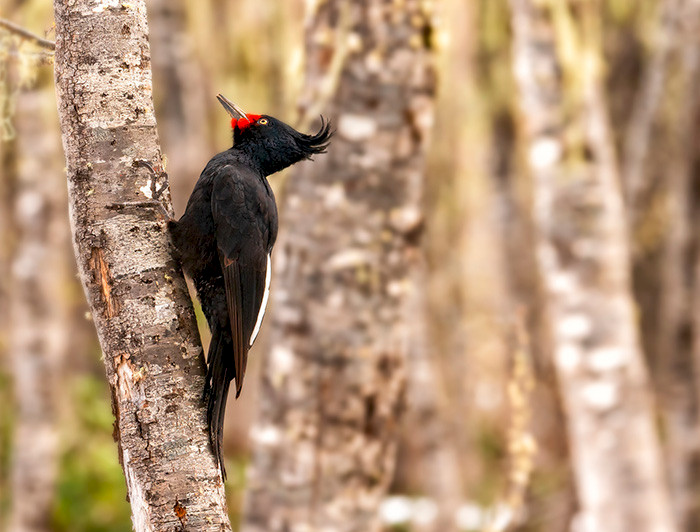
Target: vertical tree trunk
{"points": [[551, 501], [333, 389], [6, 399], [434, 445], [678, 391], [457, 169], [38, 314], [583, 259], [136, 292]]}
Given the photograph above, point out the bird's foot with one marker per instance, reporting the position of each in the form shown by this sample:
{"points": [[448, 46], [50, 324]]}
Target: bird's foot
{"points": [[157, 173]]}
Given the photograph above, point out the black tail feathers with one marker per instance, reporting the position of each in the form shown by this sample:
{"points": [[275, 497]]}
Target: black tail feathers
{"points": [[216, 388]]}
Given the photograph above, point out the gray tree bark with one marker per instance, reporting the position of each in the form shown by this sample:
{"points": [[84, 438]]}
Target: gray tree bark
{"points": [[39, 315], [584, 261], [136, 291], [334, 382]]}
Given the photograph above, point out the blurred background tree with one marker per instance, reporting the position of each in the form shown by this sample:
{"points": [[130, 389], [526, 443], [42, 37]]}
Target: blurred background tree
{"points": [[482, 272], [349, 275]]}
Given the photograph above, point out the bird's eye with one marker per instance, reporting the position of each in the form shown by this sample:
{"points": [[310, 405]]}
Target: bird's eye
{"points": [[262, 121]]}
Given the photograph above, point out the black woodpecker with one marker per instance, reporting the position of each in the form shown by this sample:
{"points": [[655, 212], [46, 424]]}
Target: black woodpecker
{"points": [[224, 241]]}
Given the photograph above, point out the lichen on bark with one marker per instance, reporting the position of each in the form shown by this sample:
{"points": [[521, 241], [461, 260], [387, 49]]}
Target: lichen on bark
{"points": [[343, 289], [136, 291]]}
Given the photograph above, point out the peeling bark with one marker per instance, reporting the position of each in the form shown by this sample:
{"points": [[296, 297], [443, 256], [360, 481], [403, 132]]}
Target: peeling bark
{"points": [[584, 261], [334, 382], [136, 291]]}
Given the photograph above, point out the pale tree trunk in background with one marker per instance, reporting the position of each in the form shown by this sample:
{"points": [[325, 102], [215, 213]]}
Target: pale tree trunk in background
{"points": [[584, 262], [38, 311], [478, 367], [659, 157], [430, 436], [551, 502], [427, 427], [487, 264], [344, 285], [7, 185], [136, 291], [676, 367], [6, 398], [446, 241], [466, 285]]}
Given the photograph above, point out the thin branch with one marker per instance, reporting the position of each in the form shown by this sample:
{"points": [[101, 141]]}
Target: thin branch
{"points": [[18, 30], [42, 58]]}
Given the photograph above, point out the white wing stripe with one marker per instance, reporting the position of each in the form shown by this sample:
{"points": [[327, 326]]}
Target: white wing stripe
{"points": [[261, 313]]}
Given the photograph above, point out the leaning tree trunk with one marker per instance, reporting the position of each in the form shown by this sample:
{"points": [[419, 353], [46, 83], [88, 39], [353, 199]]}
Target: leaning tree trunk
{"points": [[333, 389], [584, 262], [136, 291]]}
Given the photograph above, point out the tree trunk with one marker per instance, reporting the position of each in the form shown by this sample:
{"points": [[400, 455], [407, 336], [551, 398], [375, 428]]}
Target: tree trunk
{"points": [[136, 291], [673, 357], [38, 313], [584, 262], [7, 162], [434, 445], [343, 289]]}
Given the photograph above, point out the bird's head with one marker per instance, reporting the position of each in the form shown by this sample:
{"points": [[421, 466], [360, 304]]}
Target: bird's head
{"points": [[270, 143]]}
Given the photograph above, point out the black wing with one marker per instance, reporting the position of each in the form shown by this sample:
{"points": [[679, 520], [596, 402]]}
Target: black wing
{"points": [[239, 209]]}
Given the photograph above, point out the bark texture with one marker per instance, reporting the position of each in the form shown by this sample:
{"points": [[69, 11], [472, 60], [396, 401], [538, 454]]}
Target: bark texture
{"points": [[343, 288], [584, 262], [136, 292], [38, 313]]}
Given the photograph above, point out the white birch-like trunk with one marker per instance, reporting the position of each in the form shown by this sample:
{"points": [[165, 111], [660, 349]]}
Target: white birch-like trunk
{"points": [[584, 263], [38, 313]]}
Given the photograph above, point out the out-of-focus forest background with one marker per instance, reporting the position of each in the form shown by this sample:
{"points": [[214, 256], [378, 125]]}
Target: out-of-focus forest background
{"points": [[495, 435]]}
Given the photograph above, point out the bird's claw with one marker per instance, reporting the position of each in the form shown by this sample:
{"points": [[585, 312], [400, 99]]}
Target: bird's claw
{"points": [[158, 173]]}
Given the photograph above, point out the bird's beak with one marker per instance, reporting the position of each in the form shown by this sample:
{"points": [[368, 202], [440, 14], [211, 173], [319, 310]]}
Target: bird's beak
{"points": [[231, 108]]}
